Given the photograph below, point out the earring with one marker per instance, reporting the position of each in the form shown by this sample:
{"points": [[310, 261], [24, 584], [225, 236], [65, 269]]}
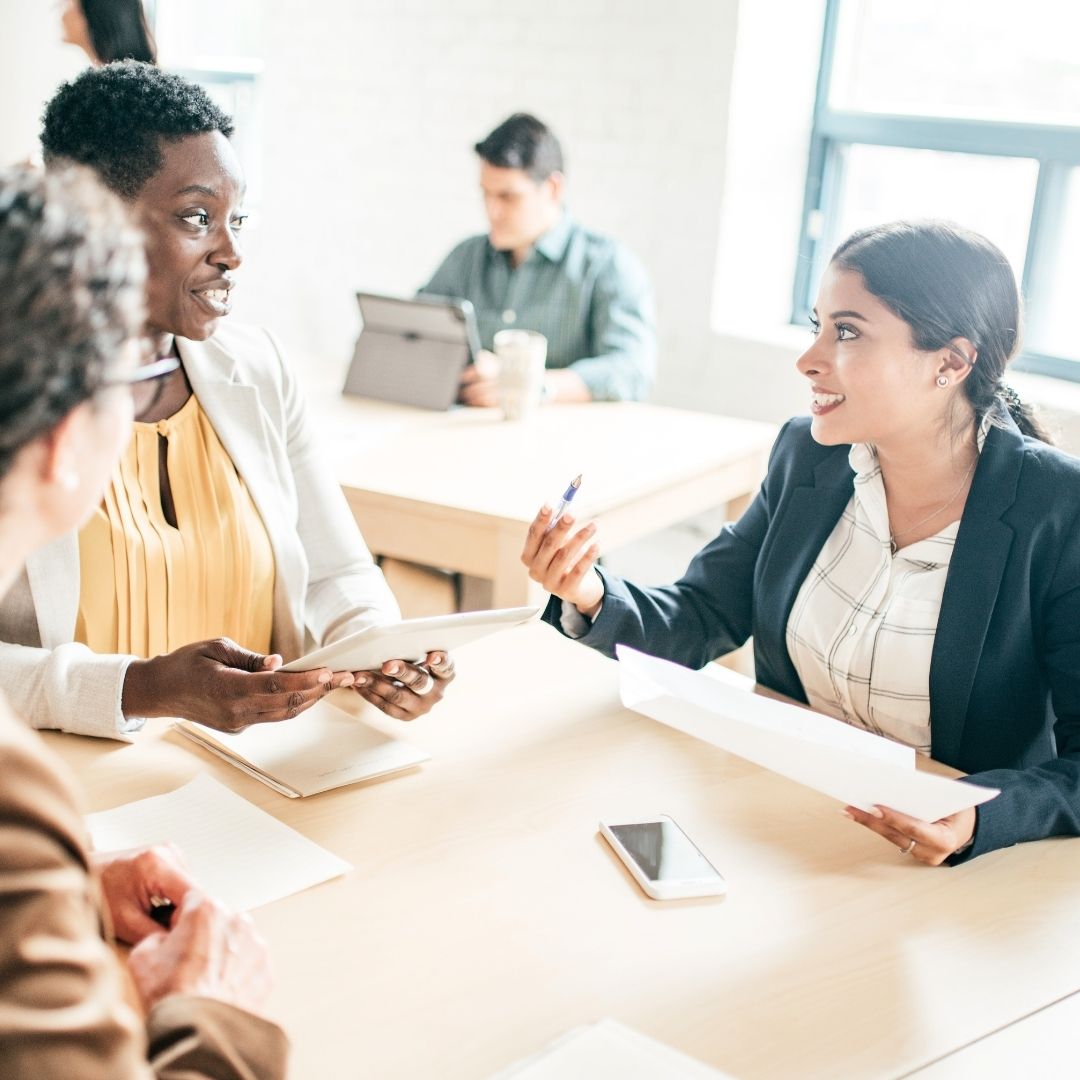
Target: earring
{"points": [[68, 479], [942, 381]]}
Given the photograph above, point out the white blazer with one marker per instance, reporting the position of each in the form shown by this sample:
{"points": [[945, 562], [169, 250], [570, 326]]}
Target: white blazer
{"points": [[326, 581]]}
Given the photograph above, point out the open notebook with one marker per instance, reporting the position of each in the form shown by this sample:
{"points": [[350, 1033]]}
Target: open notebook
{"points": [[323, 748]]}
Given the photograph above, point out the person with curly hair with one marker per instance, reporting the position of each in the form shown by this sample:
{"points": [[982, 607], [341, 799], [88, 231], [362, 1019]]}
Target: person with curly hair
{"points": [[223, 539], [71, 321]]}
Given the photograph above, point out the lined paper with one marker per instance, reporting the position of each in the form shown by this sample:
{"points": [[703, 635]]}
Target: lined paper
{"points": [[236, 852]]}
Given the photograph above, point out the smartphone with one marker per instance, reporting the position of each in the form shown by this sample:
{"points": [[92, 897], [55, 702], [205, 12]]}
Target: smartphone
{"points": [[663, 859]]}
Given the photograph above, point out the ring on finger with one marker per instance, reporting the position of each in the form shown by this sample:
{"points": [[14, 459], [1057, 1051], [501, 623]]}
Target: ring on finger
{"points": [[909, 849], [427, 686]]}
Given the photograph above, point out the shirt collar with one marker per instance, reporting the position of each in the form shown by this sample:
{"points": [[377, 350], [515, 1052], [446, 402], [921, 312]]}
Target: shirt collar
{"points": [[553, 244]]}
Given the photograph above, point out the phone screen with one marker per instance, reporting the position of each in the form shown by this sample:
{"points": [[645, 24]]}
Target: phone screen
{"points": [[663, 851]]}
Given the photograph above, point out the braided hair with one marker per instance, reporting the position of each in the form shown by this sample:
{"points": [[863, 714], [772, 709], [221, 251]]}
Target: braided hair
{"points": [[947, 282], [72, 274]]}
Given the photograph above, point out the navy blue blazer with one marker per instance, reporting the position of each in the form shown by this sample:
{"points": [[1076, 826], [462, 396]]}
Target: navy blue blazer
{"points": [[1005, 668]]}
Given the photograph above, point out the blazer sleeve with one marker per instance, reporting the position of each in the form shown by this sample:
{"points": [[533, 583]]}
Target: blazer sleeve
{"points": [[706, 613], [1044, 800], [62, 1007], [69, 687], [346, 591]]}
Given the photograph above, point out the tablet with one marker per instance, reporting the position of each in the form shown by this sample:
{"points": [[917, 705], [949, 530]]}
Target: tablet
{"points": [[412, 351], [410, 640]]}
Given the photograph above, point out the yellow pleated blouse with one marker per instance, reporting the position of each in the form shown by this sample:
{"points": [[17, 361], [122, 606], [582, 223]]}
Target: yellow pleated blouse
{"points": [[147, 587]]}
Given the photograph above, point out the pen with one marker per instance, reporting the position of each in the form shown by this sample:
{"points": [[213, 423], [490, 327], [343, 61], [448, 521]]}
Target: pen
{"points": [[161, 910], [565, 501]]}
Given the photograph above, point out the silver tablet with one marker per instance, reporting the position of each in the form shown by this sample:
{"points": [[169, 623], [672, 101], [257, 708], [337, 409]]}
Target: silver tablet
{"points": [[412, 351], [410, 640]]}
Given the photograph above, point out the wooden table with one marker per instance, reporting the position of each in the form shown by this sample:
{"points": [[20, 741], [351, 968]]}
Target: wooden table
{"points": [[458, 489], [486, 916]]}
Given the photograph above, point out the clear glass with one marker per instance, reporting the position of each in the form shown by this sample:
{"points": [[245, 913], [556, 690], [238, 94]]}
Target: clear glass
{"points": [[1053, 328], [991, 195], [971, 59]]}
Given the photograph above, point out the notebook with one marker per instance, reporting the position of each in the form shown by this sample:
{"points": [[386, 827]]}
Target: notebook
{"points": [[322, 748]]}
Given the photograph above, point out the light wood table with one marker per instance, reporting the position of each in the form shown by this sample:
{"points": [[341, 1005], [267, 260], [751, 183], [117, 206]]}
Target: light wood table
{"points": [[485, 916], [458, 489]]}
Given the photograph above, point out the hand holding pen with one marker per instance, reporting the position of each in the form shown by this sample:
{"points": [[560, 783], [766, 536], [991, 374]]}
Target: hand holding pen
{"points": [[562, 559]]}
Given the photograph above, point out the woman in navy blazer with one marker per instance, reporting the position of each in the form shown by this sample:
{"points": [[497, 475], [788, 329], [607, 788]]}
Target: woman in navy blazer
{"points": [[916, 301]]}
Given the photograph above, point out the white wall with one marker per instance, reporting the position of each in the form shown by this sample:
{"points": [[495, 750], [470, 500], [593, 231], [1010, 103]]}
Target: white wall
{"points": [[685, 126]]}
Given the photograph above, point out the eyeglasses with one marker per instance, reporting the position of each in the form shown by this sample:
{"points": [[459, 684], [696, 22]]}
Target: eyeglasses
{"points": [[147, 382]]}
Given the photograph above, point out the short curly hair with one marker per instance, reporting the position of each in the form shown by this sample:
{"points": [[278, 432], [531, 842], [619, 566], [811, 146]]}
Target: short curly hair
{"points": [[72, 280], [113, 119]]}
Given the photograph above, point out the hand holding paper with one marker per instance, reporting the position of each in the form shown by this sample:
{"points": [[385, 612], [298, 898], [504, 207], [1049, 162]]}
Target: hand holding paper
{"points": [[858, 768]]}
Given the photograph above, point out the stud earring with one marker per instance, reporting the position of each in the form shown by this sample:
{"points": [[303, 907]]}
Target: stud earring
{"points": [[942, 381], [68, 479]]}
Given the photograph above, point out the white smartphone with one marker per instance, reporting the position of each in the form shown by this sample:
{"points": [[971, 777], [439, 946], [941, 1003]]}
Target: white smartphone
{"points": [[664, 861]]}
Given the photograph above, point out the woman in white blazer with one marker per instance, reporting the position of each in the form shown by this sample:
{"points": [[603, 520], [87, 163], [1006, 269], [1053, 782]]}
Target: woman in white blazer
{"points": [[161, 143]]}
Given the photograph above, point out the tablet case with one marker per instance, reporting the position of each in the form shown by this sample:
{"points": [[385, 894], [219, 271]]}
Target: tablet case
{"points": [[412, 351]]}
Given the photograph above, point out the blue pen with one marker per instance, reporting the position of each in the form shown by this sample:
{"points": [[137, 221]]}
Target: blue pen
{"points": [[565, 501]]}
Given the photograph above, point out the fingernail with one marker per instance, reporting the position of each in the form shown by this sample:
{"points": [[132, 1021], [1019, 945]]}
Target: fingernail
{"points": [[876, 811], [346, 680], [394, 669], [847, 813], [361, 680], [325, 678]]}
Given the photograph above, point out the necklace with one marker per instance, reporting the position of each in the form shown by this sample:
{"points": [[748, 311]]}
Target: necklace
{"points": [[894, 536]]}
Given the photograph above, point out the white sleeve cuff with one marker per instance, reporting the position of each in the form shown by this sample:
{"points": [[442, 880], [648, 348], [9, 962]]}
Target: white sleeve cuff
{"points": [[573, 623]]}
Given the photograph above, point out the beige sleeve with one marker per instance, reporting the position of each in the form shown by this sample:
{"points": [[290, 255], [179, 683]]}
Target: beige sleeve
{"points": [[62, 1009]]}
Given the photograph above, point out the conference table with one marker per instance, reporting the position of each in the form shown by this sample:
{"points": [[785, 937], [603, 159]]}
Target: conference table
{"points": [[485, 915], [457, 490]]}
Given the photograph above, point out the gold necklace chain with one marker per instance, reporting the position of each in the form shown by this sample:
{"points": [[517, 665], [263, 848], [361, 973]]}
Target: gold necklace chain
{"points": [[893, 547]]}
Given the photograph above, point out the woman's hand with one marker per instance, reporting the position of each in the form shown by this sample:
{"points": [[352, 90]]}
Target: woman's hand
{"points": [[562, 561], [934, 841], [406, 691], [209, 952], [132, 880], [225, 687]]}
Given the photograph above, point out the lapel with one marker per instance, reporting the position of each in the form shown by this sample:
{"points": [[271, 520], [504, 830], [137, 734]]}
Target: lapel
{"points": [[971, 587], [233, 408], [53, 574], [804, 523]]}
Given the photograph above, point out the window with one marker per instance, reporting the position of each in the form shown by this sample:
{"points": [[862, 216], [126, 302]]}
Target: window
{"points": [[968, 110], [218, 45]]}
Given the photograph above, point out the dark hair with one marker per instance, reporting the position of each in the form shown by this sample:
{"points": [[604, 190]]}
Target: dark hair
{"points": [[523, 142], [947, 282], [72, 275], [113, 119], [118, 30]]}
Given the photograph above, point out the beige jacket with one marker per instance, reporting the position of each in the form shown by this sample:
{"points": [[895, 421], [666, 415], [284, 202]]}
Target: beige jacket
{"points": [[326, 580], [62, 1012]]}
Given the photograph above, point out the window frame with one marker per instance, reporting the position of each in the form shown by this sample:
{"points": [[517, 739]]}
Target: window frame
{"points": [[1054, 148]]}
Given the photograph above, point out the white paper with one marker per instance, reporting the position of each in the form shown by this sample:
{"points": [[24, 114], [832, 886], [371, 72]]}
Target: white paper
{"points": [[236, 852], [857, 767], [322, 748], [609, 1051]]}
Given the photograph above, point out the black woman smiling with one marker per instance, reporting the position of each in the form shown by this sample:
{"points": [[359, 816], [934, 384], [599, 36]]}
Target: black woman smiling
{"points": [[223, 538]]}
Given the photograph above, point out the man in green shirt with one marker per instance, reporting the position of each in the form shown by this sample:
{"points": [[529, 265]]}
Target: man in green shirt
{"points": [[538, 269]]}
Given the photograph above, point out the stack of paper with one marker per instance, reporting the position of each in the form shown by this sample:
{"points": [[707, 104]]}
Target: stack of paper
{"points": [[608, 1051], [320, 749], [236, 852], [857, 767]]}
